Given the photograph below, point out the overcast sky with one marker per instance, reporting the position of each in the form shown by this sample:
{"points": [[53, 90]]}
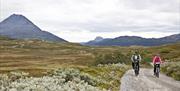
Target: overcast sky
{"points": [[83, 20]]}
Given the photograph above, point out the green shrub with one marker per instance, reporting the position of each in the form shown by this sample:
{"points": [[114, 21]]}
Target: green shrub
{"points": [[147, 59], [165, 51], [109, 58], [172, 70], [176, 75]]}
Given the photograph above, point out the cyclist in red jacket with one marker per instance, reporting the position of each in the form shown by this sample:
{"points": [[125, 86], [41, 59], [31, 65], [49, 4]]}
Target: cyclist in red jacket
{"points": [[156, 60]]}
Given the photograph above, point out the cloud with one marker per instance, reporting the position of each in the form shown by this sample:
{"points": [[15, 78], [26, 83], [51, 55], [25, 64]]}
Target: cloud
{"points": [[90, 18]]}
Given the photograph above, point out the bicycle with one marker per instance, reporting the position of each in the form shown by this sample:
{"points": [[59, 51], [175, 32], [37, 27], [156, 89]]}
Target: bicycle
{"points": [[157, 70], [136, 69]]}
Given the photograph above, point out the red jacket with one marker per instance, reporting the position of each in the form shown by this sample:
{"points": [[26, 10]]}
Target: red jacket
{"points": [[156, 60]]}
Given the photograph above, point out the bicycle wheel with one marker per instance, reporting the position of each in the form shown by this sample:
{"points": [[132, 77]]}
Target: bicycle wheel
{"points": [[157, 72]]}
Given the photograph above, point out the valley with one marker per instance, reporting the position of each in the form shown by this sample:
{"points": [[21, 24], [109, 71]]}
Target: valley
{"points": [[40, 58]]}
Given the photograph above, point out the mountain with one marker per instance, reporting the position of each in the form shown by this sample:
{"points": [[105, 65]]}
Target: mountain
{"points": [[19, 27], [135, 40], [98, 39]]}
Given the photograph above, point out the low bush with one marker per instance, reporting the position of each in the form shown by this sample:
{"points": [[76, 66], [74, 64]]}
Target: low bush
{"points": [[165, 51], [67, 79], [108, 75], [110, 58], [172, 69], [61, 80]]}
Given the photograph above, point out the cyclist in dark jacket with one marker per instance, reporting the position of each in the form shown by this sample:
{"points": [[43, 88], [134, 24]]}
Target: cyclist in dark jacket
{"points": [[135, 58]]}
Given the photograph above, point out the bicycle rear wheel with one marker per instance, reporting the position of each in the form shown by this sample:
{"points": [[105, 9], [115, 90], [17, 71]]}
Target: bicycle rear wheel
{"points": [[136, 71], [157, 72]]}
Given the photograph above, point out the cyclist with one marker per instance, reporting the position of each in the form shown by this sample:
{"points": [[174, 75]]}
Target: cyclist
{"points": [[156, 61], [135, 58]]}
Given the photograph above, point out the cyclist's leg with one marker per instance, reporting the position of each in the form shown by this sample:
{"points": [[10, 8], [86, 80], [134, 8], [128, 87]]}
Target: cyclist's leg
{"points": [[154, 69], [133, 65], [138, 66], [159, 66]]}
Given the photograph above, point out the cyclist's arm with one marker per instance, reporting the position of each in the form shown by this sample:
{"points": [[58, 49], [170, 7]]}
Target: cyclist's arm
{"points": [[140, 58], [132, 58], [153, 60]]}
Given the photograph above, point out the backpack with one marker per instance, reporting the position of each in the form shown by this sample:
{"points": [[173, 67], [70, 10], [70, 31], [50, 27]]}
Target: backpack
{"points": [[135, 57]]}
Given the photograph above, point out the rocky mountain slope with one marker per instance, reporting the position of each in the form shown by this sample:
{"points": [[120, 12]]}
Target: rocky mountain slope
{"points": [[19, 27]]}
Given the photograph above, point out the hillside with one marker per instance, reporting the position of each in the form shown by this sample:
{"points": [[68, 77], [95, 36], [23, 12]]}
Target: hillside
{"points": [[72, 53], [19, 27], [135, 40], [41, 60], [37, 54], [51, 54]]}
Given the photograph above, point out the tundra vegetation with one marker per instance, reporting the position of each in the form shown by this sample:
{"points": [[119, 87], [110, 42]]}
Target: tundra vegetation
{"points": [[100, 78], [34, 65]]}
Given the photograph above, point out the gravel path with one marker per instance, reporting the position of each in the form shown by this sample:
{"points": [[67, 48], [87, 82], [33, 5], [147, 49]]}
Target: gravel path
{"points": [[146, 81]]}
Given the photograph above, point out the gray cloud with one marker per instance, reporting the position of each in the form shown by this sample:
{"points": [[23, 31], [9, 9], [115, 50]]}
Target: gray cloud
{"points": [[98, 16]]}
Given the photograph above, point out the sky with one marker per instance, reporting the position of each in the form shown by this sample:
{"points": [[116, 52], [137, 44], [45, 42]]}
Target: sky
{"points": [[83, 20]]}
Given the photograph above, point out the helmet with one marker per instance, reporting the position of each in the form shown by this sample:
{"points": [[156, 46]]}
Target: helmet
{"points": [[136, 52], [157, 54]]}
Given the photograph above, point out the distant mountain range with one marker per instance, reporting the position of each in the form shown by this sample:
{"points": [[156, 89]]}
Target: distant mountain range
{"points": [[19, 27], [133, 40]]}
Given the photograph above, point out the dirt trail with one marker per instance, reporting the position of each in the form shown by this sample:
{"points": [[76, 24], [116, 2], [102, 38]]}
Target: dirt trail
{"points": [[146, 81]]}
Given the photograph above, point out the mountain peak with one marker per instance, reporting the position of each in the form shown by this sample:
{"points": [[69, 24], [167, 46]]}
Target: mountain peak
{"points": [[16, 19], [19, 27], [98, 38], [128, 37], [16, 15]]}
